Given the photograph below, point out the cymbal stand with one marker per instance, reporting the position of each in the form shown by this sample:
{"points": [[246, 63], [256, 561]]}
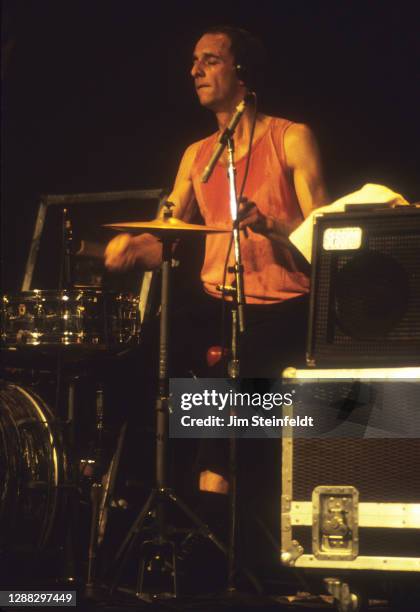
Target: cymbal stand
{"points": [[160, 551], [66, 277]]}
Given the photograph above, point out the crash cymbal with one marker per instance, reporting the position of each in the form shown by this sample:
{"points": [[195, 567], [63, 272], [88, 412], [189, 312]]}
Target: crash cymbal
{"points": [[165, 225]]}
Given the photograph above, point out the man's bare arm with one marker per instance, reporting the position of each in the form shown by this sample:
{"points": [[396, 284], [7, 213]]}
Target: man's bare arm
{"points": [[145, 250], [182, 195], [303, 160]]}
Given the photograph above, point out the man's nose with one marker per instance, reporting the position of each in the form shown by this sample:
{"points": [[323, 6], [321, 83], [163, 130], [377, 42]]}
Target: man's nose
{"points": [[197, 69]]}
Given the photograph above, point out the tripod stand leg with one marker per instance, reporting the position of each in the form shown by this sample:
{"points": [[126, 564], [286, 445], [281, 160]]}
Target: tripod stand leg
{"points": [[204, 529], [130, 538], [202, 526]]}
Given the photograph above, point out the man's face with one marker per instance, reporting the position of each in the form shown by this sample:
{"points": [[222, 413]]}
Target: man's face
{"points": [[214, 73]]}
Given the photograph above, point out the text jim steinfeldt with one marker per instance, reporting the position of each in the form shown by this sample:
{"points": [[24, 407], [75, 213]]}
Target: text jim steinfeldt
{"points": [[254, 421]]}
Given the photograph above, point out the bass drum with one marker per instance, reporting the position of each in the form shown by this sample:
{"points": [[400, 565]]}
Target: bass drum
{"points": [[33, 469]]}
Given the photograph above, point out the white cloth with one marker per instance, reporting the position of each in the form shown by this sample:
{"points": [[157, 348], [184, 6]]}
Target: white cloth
{"points": [[369, 193]]}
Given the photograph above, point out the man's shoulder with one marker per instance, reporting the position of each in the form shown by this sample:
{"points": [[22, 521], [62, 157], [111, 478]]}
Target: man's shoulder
{"points": [[291, 130], [193, 150], [280, 123], [298, 133]]}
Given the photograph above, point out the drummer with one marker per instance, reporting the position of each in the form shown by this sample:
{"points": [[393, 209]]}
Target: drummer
{"points": [[283, 185]]}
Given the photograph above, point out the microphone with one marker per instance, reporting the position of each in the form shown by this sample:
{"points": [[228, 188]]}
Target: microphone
{"points": [[227, 133]]}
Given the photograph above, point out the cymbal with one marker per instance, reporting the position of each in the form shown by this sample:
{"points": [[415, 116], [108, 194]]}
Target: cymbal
{"points": [[165, 225]]}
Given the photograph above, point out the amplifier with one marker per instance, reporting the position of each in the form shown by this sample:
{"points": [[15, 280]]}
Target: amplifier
{"points": [[365, 296]]}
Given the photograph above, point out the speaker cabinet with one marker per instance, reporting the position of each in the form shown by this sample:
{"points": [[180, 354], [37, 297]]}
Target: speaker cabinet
{"points": [[365, 296], [353, 503]]}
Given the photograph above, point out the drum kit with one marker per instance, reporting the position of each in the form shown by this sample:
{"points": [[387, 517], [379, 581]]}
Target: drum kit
{"points": [[41, 469]]}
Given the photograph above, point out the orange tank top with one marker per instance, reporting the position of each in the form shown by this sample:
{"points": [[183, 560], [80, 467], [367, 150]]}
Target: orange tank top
{"points": [[270, 273]]}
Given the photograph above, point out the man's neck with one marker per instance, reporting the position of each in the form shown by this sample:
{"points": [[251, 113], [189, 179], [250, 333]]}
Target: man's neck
{"points": [[243, 129]]}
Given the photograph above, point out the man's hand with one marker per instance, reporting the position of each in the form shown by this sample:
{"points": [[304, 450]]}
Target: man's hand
{"points": [[125, 251], [117, 253], [274, 229], [250, 216]]}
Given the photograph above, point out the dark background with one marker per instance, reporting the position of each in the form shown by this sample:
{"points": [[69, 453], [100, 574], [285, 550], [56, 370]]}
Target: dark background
{"points": [[97, 95]]}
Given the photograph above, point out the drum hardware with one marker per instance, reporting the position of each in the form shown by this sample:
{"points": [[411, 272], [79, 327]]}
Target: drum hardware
{"points": [[108, 482], [66, 272], [73, 497], [55, 323], [43, 477], [35, 475], [161, 550], [73, 316], [86, 318], [79, 200], [96, 490], [86, 470], [90, 484], [168, 231]]}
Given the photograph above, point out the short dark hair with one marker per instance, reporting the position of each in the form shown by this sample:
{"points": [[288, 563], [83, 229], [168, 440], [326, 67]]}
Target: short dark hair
{"points": [[248, 52]]}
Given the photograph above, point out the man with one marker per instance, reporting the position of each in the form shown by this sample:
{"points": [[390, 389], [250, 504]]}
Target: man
{"points": [[284, 185], [219, 88]]}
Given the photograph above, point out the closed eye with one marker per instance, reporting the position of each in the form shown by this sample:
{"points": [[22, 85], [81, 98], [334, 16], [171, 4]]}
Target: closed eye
{"points": [[207, 59]]}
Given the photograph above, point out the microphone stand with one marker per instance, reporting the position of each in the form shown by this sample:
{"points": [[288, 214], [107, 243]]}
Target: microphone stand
{"points": [[238, 268], [227, 134], [238, 318], [238, 327]]}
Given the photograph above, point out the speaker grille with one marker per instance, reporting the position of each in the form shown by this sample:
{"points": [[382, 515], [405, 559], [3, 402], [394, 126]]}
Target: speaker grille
{"points": [[366, 303], [383, 470]]}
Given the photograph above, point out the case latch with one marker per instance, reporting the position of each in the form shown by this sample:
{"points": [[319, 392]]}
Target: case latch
{"points": [[335, 524]]}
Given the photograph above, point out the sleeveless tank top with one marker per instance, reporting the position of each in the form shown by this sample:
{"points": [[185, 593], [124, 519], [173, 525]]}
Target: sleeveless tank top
{"points": [[270, 272]]}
